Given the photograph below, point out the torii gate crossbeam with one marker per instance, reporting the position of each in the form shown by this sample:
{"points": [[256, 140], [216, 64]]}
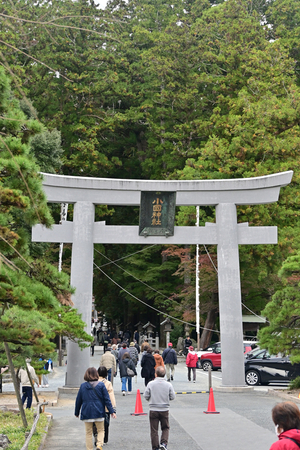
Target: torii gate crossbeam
{"points": [[226, 233]]}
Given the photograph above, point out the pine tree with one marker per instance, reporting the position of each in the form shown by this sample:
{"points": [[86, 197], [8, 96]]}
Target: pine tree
{"points": [[35, 302]]}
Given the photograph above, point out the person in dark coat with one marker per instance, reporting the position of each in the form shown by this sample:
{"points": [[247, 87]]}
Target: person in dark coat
{"points": [[286, 418], [148, 364], [90, 402], [124, 364], [136, 336], [127, 336], [170, 359], [105, 341], [187, 343]]}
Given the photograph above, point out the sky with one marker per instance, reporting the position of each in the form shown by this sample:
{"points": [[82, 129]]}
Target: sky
{"points": [[101, 3]]}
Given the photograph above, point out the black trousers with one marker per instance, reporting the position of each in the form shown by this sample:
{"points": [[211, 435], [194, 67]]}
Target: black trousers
{"points": [[155, 418], [27, 394]]}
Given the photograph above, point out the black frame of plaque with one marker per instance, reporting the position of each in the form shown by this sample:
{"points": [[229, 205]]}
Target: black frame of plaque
{"points": [[167, 213]]}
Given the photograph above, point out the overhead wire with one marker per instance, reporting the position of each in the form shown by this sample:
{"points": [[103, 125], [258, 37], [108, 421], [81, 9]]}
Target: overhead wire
{"points": [[124, 257], [126, 271], [146, 304], [155, 290]]}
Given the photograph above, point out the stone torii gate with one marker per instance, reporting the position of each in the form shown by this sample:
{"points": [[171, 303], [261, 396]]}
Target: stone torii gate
{"points": [[226, 233]]}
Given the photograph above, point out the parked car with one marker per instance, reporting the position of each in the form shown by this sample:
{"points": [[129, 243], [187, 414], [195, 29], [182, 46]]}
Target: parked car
{"points": [[209, 349], [263, 368], [213, 359]]}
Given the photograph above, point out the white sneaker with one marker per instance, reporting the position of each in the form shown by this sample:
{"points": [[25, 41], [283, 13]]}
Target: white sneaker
{"points": [[194, 381], [128, 393], [123, 393]]}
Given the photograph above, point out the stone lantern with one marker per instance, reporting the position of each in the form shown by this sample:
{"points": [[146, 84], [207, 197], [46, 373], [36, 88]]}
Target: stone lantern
{"points": [[149, 330], [167, 324], [187, 330]]}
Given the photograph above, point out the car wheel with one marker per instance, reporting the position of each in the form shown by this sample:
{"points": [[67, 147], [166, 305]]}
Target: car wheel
{"points": [[206, 365], [252, 378]]}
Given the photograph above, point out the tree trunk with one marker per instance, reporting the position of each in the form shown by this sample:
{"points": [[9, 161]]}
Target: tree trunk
{"points": [[16, 385], [208, 328]]}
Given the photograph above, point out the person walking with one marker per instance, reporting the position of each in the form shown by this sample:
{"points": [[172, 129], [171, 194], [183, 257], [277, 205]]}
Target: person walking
{"points": [[126, 365], [187, 343], [25, 382], [49, 368], [114, 352], [191, 363], [102, 372], [136, 336], [123, 349], [91, 400], [93, 343], [170, 359], [105, 340], [133, 353], [144, 345], [108, 360], [148, 364], [158, 359], [3, 369], [286, 418], [159, 393]]}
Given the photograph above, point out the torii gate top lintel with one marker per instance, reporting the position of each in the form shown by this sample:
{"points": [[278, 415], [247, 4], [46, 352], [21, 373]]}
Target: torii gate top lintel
{"points": [[110, 191]]}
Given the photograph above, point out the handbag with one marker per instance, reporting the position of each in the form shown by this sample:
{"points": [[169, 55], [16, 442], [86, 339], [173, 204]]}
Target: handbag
{"points": [[130, 372]]}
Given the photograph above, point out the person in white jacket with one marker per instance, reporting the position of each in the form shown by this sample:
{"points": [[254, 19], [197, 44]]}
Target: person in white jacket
{"points": [[26, 386]]}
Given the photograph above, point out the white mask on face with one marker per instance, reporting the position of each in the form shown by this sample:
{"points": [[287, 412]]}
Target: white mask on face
{"points": [[276, 430]]}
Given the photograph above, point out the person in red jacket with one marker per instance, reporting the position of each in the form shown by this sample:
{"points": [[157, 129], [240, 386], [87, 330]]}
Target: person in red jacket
{"points": [[191, 362], [286, 417]]}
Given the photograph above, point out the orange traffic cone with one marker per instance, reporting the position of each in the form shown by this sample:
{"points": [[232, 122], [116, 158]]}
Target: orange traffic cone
{"points": [[211, 409], [138, 405]]}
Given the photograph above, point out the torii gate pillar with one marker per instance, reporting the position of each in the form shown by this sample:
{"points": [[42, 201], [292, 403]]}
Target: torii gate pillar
{"points": [[226, 233], [82, 277]]}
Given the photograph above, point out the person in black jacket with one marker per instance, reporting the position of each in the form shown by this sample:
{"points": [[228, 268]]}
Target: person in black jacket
{"points": [[124, 364], [170, 359], [148, 364], [187, 343]]}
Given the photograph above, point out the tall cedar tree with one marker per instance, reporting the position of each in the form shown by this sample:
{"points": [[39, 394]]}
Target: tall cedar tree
{"points": [[188, 91]]}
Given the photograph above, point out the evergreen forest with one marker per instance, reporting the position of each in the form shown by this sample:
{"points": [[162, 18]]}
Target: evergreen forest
{"points": [[146, 89]]}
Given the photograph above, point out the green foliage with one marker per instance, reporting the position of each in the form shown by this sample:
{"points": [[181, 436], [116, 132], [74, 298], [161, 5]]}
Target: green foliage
{"points": [[176, 333], [47, 150], [294, 384], [34, 297], [143, 89], [283, 312]]}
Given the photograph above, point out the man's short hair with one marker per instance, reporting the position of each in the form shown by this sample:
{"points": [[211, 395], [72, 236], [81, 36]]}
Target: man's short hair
{"points": [[160, 371]]}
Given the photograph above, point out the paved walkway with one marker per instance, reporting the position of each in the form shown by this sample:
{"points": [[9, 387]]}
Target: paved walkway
{"points": [[244, 421]]}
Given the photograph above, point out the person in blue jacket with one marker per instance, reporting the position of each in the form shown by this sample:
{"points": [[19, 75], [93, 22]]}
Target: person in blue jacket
{"points": [[90, 402], [170, 359]]}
